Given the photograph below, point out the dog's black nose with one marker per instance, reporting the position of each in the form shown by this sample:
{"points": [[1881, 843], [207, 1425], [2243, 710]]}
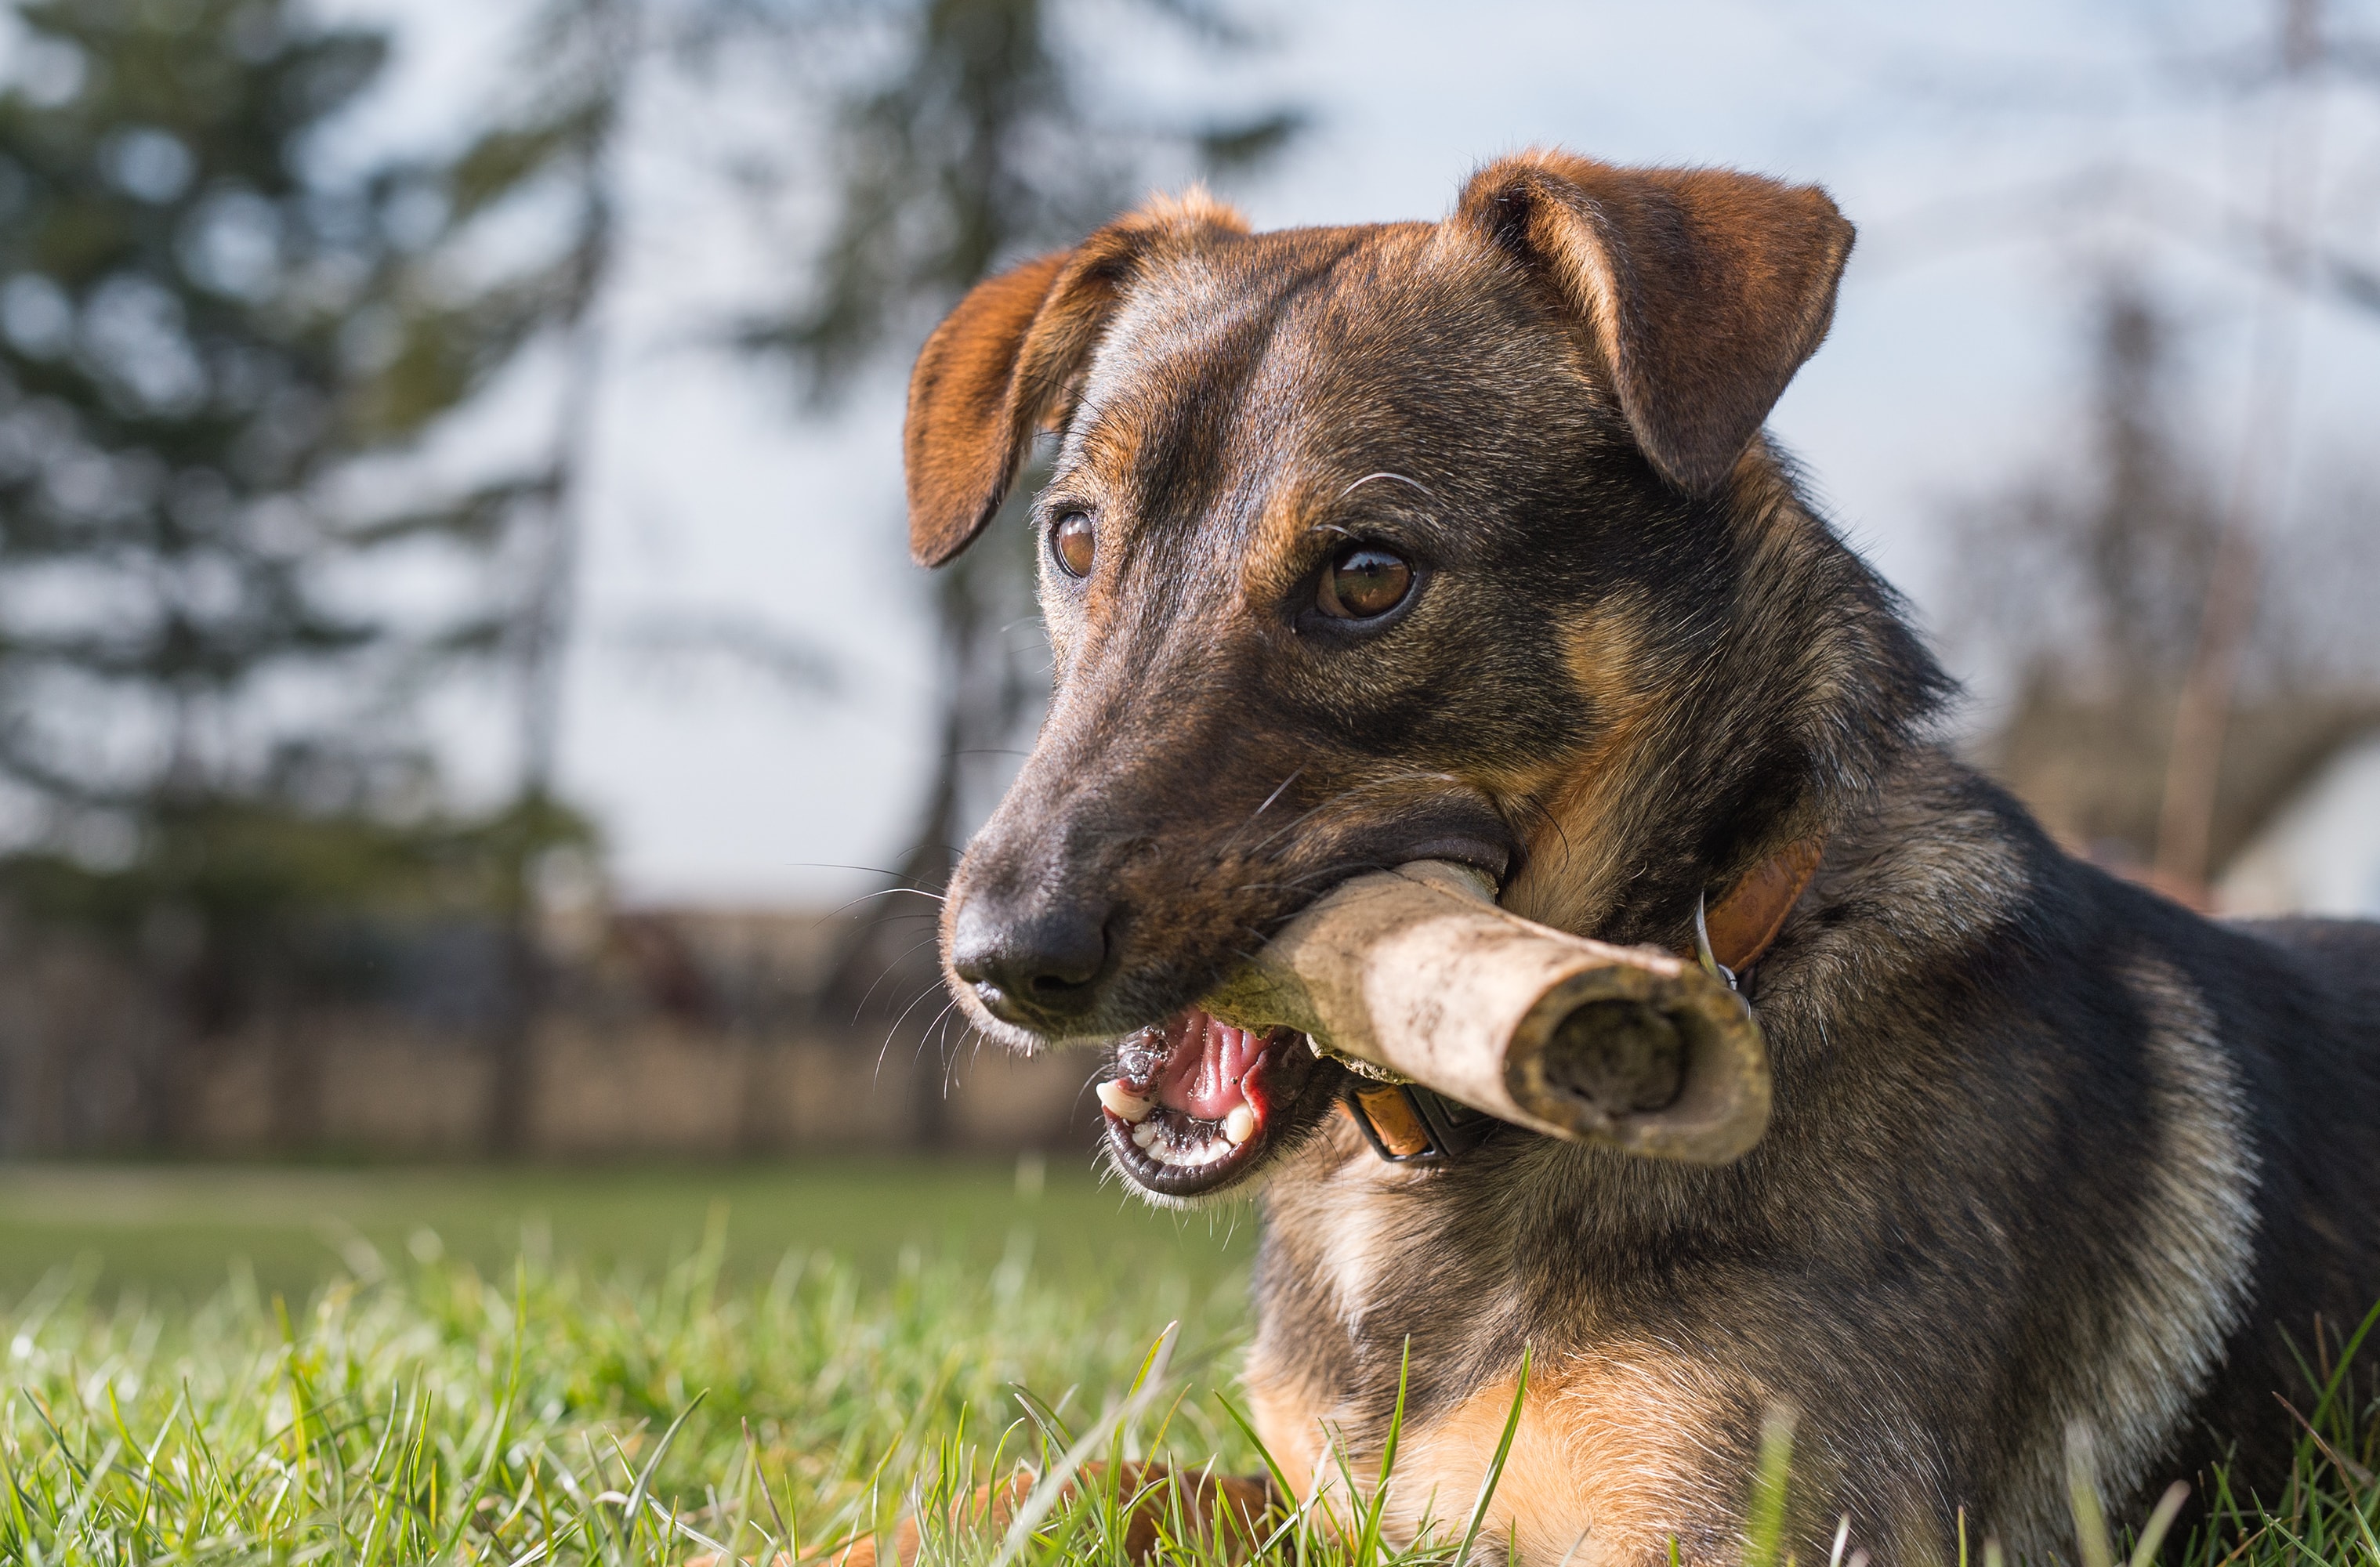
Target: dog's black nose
{"points": [[1031, 968]]}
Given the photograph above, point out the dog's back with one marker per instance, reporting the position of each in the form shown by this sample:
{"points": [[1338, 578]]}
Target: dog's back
{"points": [[2301, 1005]]}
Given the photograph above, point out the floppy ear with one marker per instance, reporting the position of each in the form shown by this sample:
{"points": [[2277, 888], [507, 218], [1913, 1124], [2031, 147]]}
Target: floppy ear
{"points": [[968, 418], [1005, 357], [1703, 290]]}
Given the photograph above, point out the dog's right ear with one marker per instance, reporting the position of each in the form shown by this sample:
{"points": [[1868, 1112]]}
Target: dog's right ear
{"points": [[971, 410], [1005, 359]]}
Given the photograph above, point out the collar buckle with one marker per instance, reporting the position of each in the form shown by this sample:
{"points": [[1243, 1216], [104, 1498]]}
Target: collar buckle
{"points": [[1703, 953], [1407, 1123]]}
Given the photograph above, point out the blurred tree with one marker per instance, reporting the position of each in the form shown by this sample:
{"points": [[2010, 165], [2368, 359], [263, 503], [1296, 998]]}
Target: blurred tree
{"points": [[2094, 580], [2170, 687], [2092, 584], [552, 151], [174, 345], [2203, 711], [201, 328], [976, 147]]}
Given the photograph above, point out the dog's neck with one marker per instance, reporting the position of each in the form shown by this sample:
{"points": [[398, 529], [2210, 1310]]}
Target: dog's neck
{"points": [[1767, 736]]}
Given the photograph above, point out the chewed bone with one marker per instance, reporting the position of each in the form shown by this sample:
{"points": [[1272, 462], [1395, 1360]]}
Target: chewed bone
{"points": [[1418, 971]]}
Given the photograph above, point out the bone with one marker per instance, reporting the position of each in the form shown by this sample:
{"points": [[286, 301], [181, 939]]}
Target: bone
{"points": [[1418, 971]]}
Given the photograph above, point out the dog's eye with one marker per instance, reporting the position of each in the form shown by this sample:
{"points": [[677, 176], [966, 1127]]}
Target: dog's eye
{"points": [[1363, 581], [1074, 541]]}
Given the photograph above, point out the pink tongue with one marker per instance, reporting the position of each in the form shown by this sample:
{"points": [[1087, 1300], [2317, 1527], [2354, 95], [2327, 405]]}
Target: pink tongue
{"points": [[1202, 1074]]}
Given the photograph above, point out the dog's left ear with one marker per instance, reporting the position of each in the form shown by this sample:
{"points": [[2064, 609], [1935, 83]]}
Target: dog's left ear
{"points": [[1703, 290]]}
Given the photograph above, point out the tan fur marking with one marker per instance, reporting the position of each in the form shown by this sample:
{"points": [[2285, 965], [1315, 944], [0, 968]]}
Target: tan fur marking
{"points": [[1605, 1457], [1286, 1420], [1571, 872]]}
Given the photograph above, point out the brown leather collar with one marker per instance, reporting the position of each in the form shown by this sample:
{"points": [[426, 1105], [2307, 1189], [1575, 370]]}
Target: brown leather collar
{"points": [[1407, 1123], [1742, 923]]}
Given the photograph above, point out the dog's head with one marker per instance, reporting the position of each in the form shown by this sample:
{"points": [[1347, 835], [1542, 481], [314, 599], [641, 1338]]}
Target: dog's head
{"points": [[1373, 544]]}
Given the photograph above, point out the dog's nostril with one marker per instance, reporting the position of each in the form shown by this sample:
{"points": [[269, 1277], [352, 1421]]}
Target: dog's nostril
{"points": [[1054, 954], [1049, 956]]}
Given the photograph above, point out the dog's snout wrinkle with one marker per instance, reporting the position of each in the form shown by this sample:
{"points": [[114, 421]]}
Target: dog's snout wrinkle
{"points": [[1031, 966]]}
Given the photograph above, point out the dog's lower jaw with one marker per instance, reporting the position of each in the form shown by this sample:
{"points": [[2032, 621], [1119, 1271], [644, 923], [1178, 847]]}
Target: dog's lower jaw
{"points": [[1169, 1154], [1189, 1108], [1249, 1168], [1197, 1110], [1249, 1177]]}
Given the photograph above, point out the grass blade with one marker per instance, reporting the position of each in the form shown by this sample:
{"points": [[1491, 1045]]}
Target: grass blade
{"points": [[633, 1511], [1496, 1467], [1045, 1494], [2161, 1519], [2083, 1495], [1764, 1525]]}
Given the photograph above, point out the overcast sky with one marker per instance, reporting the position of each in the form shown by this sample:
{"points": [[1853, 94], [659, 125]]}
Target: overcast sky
{"points": [[1951, 368]]}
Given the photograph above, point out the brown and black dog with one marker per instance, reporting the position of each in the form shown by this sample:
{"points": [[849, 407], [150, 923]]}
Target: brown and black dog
{"points": [[1460, 540]]}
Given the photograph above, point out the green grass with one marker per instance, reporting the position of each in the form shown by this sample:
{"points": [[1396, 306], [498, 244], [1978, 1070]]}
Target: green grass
{"points": [[173, 1231], [655, 1404]]}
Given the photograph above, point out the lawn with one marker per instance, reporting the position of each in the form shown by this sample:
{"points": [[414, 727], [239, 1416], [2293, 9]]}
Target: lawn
{"points": [[174, 1231], [670, 1364]]}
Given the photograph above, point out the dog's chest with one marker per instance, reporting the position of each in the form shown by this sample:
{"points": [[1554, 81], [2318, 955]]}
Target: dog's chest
{"points": [[1362, 1260]]}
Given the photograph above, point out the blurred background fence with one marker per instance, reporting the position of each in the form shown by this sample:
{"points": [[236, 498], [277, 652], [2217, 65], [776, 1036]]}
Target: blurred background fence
{"points": [[458, 690]]}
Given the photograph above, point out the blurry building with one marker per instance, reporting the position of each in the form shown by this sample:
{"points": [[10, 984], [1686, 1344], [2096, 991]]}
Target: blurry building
{"points": [[2318, 851], [2093, 769], [678, 1032]]}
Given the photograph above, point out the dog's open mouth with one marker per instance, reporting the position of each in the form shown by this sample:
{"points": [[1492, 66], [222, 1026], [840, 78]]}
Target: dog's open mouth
{"points": [[1190, 1106]]}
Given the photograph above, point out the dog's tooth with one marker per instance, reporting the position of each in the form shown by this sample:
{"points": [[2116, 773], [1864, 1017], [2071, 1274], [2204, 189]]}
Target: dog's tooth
{"points": [[1123, 1103], [1145, 1134], [1241, 1125]]}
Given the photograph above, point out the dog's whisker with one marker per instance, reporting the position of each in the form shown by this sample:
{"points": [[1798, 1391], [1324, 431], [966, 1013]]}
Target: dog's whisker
{"points": [[1398, 478], [1340, 869], [941, 1019], [891, 966], [895, 1030], [1279, 790], [884, 893], [928, 1036], [1303, 817], [1387, 782]]}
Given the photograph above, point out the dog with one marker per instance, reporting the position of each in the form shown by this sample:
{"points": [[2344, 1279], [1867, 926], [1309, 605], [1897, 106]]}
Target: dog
{"points": [[1462, 540]]}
